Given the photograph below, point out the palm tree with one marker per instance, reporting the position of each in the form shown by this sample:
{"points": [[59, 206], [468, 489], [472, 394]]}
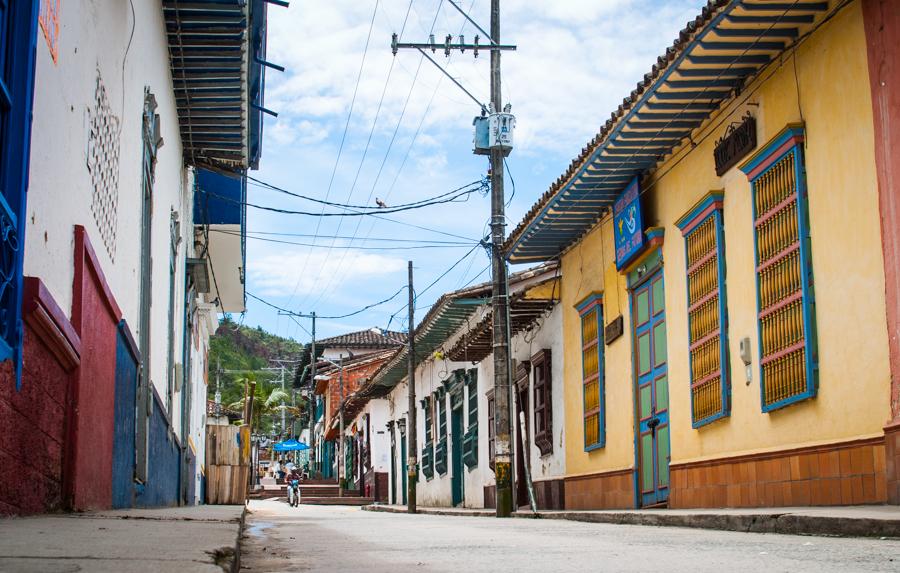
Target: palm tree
{"points": [[265, 406]]}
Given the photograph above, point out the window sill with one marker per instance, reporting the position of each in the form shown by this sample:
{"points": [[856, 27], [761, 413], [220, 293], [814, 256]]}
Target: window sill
{"points": [[594, 447]]}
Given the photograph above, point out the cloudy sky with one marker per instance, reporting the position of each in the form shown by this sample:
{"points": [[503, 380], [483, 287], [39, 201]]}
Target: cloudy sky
{"points": [[409, 138]]}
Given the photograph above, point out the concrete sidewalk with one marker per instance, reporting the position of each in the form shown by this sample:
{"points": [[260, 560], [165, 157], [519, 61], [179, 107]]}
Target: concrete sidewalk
{"points": [[845, 521], [202, 538]]}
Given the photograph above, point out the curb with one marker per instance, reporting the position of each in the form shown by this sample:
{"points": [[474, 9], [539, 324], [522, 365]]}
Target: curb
{"points": [[779, 523], [431, 511], [231, 561]]}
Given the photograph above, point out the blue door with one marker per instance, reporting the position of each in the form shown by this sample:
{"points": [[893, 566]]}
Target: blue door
{"points": [[652, 390], [456, 461], [124, 424], [403, 458]]}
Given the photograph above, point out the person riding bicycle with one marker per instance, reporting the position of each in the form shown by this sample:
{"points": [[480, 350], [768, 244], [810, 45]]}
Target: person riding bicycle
{"points": [[293, 486]]}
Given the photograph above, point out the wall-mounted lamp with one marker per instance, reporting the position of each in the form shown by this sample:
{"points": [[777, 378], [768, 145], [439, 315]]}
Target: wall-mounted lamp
{"points": [[746, 358]]}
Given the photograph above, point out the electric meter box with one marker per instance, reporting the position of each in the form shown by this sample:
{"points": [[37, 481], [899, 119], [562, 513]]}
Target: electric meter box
{"points": [[494, 130], [502, 126], [481, 141]]}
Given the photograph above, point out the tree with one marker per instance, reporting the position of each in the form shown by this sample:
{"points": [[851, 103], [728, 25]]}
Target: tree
{"points": [[267, 405]]}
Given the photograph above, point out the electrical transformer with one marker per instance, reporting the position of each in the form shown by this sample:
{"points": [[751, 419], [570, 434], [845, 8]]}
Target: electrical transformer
{"points": [[494, 130]]}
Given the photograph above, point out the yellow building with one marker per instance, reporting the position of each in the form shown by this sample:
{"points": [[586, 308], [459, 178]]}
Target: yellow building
{"points": [[723, 276]]}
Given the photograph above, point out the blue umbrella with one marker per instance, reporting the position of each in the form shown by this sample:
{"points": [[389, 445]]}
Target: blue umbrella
{"points": [[291, 445]]}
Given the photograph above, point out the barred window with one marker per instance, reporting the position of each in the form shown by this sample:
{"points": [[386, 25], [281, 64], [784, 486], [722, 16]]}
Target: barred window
{"points": [[591, 313], [543, 411], [785, 296], [704, 243]]}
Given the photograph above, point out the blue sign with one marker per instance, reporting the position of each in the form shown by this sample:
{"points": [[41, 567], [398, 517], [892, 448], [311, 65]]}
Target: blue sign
{"points": [[628, 226]]}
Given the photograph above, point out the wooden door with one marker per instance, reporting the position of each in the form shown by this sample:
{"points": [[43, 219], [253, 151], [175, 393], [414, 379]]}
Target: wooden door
{"points": [[456, 461], [651, 390]]}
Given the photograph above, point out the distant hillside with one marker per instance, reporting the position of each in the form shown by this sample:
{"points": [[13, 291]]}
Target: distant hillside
{"points": [[248, 350]]}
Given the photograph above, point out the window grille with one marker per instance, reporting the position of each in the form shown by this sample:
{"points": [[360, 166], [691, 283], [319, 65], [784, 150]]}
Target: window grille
{"points": [[707, 319], [103, 165], [543, 410], [592, 372], [492, 431], [785, 297]]}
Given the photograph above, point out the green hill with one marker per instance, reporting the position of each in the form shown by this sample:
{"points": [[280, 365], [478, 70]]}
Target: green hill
{"points": [[241, 352]]}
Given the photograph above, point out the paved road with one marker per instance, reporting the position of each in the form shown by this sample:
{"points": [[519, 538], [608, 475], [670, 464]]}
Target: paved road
{"points": [[337, 539]]}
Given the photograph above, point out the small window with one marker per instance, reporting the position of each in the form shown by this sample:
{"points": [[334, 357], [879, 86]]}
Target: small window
{"points": [[472, 392], [591, 313], [543, 410], [492, 433]]}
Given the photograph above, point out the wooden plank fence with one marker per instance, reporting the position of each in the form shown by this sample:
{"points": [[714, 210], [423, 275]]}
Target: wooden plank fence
{"points": [[227, 464]]}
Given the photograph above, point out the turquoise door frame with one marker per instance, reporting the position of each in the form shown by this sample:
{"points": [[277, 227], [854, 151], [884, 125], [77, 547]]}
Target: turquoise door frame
{"points": [[403, 457], [457, 477], [651, 390]]}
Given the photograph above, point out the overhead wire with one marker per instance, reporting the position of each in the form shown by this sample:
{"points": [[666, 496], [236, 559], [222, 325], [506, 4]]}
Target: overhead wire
{"points": [[348, 212], [265, 185], [325, 317], [343, 140], [340, 265], [352, 247], [397, 127]]}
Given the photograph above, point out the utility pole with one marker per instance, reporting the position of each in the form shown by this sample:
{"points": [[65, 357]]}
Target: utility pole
{"points": [[311, 399], [497, 143], [283, 417], [341, 459], [412, 438], [502, 457]]}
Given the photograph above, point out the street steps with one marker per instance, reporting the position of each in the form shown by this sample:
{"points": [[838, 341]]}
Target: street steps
{"points": [[346, 500]]}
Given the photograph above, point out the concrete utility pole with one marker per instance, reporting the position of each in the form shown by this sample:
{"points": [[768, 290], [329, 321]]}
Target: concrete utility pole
{"points": [[412, 438], [499, 301], [502, 457], [311, 400], [341, 460]]}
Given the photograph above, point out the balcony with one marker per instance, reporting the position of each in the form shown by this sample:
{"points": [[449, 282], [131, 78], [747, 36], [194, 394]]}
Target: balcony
{"points": [[220, 226]]}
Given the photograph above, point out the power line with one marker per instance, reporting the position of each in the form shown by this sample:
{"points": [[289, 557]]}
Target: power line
{"points": [[349, 212], [325, 292], [348, 247], [348, 315], [343, 140], [381, 167], [386, 239], [265, 185]]}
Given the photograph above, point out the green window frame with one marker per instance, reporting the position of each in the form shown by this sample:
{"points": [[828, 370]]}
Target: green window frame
{"points": [[704, 245], [590, 312], [785, 296]]}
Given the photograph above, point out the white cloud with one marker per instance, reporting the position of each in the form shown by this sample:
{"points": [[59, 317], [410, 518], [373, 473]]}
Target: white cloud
{"points": [[278, 274]]}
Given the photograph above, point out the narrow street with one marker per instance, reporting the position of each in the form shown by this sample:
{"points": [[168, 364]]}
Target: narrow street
{"points": [[316, 538]]}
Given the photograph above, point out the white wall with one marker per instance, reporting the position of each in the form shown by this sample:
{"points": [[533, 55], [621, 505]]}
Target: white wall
{"points": [[429, 375], [94, 37], [547, 335]]}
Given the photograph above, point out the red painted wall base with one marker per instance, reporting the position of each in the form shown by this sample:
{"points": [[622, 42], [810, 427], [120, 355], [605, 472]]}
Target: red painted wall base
{"points": [[32, 444]]}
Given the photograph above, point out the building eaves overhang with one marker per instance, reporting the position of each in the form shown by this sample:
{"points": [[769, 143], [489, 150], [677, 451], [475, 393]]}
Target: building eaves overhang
{"points": [[714, 57], [217, 54], [446, 317]]}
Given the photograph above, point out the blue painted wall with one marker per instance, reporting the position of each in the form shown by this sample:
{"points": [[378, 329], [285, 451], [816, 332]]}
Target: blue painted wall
{"points": [[163, 461], [124, 429], [218, 200]]}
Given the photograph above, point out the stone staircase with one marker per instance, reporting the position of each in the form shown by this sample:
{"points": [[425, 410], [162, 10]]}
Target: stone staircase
{"points": [[315, 492]]}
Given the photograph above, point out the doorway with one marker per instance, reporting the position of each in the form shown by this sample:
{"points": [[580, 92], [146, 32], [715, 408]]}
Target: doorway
{"points": [[403, 458], [523, 370], [651, 390], [457, 476]]}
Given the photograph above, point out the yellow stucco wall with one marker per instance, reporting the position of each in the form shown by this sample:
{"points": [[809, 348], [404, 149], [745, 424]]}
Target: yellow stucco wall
{"points": [[588, 268], [854, 384]]}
